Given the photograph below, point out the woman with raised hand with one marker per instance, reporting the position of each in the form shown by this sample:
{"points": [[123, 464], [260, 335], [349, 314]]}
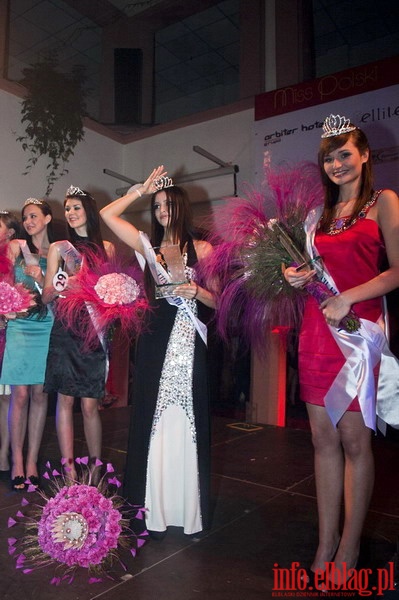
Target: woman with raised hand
{"points": [[354, 232], [168, 458], [27, 342], [71, 370]]}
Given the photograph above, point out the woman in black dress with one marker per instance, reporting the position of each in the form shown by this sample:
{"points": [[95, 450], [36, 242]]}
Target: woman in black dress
{"points": [[71, 371], [168, 458]]}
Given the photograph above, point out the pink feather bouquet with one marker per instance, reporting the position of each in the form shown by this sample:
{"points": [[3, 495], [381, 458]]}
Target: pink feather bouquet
{"points": [[100, 295]]}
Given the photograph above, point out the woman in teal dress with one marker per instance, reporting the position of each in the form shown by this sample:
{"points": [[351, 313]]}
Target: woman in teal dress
{"points": [[27, 341]]}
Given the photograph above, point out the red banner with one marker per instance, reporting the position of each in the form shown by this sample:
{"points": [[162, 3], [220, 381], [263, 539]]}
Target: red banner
{"points": [[350, 82]]}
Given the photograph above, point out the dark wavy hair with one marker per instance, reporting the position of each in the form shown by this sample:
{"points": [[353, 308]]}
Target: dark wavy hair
{"points": [[46, 210], [180, 229], [181, 226], [95, 238], [11, 222], [331, 190]]}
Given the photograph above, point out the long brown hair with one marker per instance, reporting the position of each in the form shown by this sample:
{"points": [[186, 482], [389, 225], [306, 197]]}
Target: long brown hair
{"points": [[46, 210], [180, 225], [331, 190]]}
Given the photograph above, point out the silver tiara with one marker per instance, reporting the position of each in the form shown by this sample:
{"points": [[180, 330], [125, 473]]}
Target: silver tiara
{"points": [[32, 201], [4, 212], [335, 125], [162, 183], [74, 191]]}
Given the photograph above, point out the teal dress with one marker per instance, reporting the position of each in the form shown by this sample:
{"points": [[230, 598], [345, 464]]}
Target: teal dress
{"points": [[27, 340]]}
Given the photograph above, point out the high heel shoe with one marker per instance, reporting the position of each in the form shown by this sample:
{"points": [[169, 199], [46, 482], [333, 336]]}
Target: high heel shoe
{"points": [[33, 480], [340, 578], [308, 578], [18, 483]]}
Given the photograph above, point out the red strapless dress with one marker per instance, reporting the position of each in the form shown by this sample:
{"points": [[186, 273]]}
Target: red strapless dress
{"points": [[352, 257]]}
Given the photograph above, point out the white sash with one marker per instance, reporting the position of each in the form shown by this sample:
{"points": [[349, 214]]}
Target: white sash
{"points": [[71, 257], [161, 276], [30, 259], [363, 350]]}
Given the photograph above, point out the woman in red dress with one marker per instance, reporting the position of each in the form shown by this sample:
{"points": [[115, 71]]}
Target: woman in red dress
{"points": [[357, 229]]}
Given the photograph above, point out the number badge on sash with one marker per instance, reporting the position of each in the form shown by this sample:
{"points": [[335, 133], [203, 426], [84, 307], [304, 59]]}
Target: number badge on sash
{"points": [[60, 280]]}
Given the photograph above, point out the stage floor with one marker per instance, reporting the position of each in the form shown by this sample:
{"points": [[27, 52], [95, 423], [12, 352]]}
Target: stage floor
{"points": [[264, 518]]}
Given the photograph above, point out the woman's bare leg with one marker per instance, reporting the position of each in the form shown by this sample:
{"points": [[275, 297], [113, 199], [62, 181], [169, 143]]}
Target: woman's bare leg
{"points": [[358, 485], [92, 428], [329, 476], [36, 422], [17, 422], [65, 432], [4, 432]]}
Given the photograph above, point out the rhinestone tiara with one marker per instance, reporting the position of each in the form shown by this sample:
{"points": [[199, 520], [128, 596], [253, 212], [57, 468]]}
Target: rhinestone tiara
{"points": [[336, 125], [74, 191], [32, 201], [162, 183]]}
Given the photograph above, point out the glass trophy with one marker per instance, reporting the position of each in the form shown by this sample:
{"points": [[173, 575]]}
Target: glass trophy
{"points": [[171, 259]]}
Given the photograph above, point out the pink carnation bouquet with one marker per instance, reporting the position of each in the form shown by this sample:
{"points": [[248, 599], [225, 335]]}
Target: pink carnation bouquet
{"points": [[101, 294], [77, 525], [14, 298]]}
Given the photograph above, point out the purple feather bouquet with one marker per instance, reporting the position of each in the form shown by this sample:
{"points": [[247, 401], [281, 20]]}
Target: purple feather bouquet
{"points": [[316, 288], [261, 234]]}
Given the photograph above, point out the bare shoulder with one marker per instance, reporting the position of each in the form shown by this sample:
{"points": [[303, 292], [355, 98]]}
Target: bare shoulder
{"points": [[388, 204], [54, 256], [202, 248], [388, 197], [109, 248], [388, 211], [55, 249], [14, 248]]}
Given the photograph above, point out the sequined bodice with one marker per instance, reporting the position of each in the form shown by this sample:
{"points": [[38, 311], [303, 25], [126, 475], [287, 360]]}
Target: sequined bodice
{"points": [[175, 386]]}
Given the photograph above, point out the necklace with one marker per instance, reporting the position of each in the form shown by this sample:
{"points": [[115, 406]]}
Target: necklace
{"points": [[340, 224]]}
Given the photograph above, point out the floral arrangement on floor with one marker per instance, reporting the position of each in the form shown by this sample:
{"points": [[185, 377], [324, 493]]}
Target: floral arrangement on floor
{"points": [[261, 234], [76, 524], [102, 294]]}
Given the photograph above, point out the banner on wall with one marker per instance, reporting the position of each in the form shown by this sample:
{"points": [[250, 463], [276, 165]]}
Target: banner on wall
{"points": [[288, 121]]}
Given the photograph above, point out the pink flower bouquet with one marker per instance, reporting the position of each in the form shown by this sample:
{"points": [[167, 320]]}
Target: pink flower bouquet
{"points": [[101, 294], [14, 298]]}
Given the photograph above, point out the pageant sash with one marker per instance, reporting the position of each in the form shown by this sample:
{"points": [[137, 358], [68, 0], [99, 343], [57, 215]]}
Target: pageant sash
{"points": [[363, 350], [30, 259], [162, 277], [72, 258]]}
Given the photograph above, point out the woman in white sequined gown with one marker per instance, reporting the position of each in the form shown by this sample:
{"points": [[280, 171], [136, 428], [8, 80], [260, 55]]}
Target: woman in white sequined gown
{"points": [[168, 459]]}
